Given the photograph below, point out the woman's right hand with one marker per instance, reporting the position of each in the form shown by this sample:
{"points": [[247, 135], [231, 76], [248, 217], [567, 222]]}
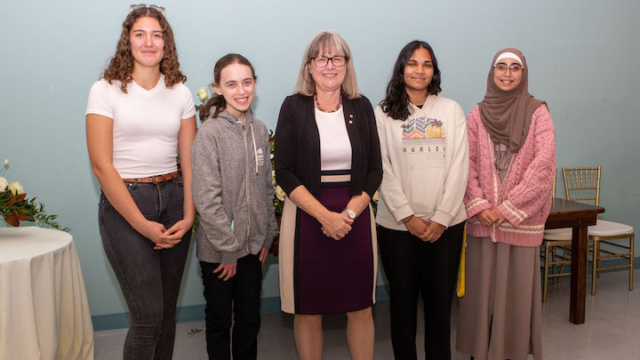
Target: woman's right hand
{"points": [[335, 226], [154, 231], [227, 271], [417, 227]]}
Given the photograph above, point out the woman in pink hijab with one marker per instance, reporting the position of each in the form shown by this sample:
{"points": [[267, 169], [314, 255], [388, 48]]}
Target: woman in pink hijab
{"points": [[511, 165]]}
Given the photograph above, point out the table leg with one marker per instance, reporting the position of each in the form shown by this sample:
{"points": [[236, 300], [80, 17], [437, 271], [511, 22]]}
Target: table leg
{"points": [[579, 251]]}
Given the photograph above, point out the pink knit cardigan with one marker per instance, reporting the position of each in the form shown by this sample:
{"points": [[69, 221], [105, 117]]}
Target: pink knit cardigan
{"points": [[524, 198]]}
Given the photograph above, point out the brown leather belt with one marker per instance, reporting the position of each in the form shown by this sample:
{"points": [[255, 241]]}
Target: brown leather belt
{"points": [[155, 179]]}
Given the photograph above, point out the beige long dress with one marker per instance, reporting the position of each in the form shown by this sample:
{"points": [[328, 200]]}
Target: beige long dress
{"points": [[500, 316]]}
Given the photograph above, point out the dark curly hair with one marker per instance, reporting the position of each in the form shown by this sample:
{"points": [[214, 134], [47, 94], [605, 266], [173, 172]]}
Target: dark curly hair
{"points": [[396, 101], [218, 100], [121, 65]]}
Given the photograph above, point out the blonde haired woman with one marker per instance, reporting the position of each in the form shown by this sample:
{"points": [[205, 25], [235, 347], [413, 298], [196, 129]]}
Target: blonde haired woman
{"points": [[327, 158]]}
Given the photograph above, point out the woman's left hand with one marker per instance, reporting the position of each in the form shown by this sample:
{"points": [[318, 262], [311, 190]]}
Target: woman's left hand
{"points": [[499, 219], [263, 255], [434, 231], [176, 232]]}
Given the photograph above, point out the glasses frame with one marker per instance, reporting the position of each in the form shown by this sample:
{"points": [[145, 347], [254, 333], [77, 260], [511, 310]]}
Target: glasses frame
{"points": [[161, 9], [513, 68], [315, 63]]}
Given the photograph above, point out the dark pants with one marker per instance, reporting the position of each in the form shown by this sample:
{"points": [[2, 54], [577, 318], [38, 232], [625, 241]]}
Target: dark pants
{"points": [[239, 296], [415, 267], [149, 279]]}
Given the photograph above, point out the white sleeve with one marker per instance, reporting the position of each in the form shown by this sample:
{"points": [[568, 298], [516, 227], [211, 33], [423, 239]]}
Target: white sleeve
{"points": [[455, 183], [100, 99], [390, 189], [189, 109]]}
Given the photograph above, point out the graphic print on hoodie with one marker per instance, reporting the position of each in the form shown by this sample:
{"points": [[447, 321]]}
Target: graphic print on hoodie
{"points": [[423, 143]]}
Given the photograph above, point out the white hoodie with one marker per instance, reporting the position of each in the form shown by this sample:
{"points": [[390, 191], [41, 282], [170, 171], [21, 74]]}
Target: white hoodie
{"points": [[425, 162]]}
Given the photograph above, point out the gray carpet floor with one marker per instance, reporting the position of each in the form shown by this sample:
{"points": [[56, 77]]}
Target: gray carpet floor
{"points": [[611, 331]]}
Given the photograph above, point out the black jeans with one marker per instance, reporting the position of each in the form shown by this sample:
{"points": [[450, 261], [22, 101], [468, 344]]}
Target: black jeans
{"points": [[415, 267], [239, 295], [149, 279]]}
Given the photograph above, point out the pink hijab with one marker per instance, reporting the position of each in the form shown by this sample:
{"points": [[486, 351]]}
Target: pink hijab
{"points": [[507, 114]]}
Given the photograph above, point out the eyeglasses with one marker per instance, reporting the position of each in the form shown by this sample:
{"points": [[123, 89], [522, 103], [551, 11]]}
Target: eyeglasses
{"points": [[147, 6], [323, 61], [514, 68]]}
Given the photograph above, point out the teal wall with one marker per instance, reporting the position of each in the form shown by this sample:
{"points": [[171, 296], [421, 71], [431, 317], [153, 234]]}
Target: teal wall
{"points": [[582, 55]]}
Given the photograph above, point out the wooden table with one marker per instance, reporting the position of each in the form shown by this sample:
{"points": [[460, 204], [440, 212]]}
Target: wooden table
{"points": [[579, 216]]}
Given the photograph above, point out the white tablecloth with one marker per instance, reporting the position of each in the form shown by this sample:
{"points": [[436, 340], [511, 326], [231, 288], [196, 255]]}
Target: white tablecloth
{"points": [[44, 312]]}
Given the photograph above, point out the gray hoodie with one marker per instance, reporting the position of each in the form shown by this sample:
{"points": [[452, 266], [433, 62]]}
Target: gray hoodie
{"points": [[232, 188]]}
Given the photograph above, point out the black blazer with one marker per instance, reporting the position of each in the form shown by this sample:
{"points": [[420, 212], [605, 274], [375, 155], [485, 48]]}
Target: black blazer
{"points": [[297, 145]]}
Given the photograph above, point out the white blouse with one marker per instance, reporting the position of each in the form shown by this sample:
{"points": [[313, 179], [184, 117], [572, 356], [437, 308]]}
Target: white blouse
{"points": [[335, 146]]}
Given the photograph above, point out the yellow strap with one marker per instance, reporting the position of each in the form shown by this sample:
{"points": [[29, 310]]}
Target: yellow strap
{"points": [[460, 287]]}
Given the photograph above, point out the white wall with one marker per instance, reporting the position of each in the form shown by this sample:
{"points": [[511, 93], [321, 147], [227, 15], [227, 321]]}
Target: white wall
{"points": [[582, 55]]}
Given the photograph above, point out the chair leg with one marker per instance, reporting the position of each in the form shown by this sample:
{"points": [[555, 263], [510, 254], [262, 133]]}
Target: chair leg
{"points": [[598, 261], [546, 272], [594, 268], [564, 258], [631, 239], [554, 267]]}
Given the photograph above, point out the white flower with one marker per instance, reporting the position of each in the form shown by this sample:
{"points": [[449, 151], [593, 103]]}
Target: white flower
{"points": [[280, 193], [203, 94], [6, 162], [273, 178], [375, 197], [3, 183], [16, 188]]}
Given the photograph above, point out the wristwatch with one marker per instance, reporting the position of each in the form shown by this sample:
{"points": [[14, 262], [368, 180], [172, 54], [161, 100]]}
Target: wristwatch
{"points": [[350, 213]]}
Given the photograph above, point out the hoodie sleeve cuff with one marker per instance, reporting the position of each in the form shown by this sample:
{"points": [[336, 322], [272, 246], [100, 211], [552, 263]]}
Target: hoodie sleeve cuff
{"points": [[442, 218], [229, 258], [270, 238], [402, 213]]}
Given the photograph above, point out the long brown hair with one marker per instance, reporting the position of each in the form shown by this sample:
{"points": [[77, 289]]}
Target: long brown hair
{"points": [[218, 100], [396, 101], [121, 65]]}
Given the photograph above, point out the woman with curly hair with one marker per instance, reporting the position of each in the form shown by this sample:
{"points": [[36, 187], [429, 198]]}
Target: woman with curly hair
{"points": [[423, 140], [138, 114]]}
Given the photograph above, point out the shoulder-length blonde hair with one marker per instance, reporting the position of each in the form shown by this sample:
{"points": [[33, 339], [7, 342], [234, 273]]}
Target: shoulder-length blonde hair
{"points": [[121, 66], [327, 39]]}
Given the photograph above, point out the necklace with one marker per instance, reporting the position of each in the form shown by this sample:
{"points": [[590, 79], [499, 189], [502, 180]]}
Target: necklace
{"points": [[315, 98]]}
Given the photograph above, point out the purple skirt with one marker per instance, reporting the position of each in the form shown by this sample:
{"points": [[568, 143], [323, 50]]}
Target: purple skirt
{"points": [[320, 275]]}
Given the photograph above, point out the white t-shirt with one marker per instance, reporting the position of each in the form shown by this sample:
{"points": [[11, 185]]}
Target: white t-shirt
{"points": [[335, 146], [146, 124]]}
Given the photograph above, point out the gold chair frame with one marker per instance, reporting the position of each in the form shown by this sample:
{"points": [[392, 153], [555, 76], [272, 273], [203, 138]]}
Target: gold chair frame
{"points": [[588, 179], [550, 256]]}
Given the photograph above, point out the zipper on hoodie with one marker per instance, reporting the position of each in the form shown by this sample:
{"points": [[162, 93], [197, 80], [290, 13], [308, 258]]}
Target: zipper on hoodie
{"points": [[246, 183]]}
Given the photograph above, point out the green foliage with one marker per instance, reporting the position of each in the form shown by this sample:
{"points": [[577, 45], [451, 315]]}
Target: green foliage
{"points": [[15, 208], [278, 203]]}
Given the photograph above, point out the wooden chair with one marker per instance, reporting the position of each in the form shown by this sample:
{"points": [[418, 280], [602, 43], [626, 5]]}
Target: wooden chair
{"points": [[555, 239], [583, 184]]}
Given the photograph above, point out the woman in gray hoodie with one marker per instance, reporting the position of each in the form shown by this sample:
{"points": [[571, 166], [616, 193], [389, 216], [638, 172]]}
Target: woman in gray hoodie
{"points": [[233, 195]]}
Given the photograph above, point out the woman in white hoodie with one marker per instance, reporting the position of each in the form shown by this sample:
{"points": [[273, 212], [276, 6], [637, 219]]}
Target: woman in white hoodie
{"points": [[423, 141]]}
